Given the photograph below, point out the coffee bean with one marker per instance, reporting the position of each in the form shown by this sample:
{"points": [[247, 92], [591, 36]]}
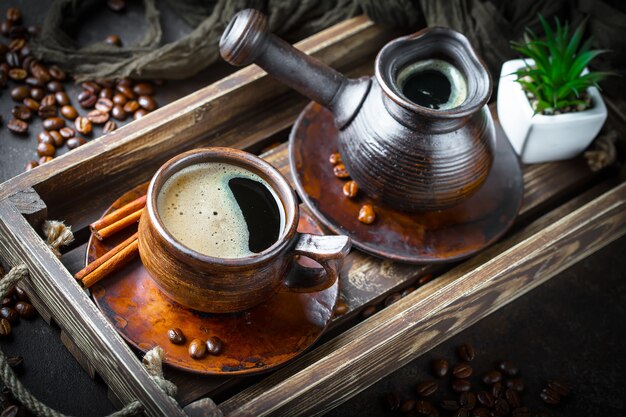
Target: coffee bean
{"points": [[508, 368], [480, 412], [501, 407], [131, 106], [53, 123], [109, 127], [350, 189], [439, 367], [468, 399], [113, 40], [40, 72], [214, 345], [67, 132], [462, 370], [466, 352], [197, 349], [45, 159], [116, 5], [69, 112], [14, 14], [106, 92], [176, 336], [62, 98], [15, 361], [37, 93], [20, 294], [45, 149], [559, 387], [423, 407], [18, 74], [30, 165], [104, 104], [9, 314], [392, 298], [118, 112], [98, 117], [127, 91], [45, 137], [341, 308], [515, 383], [340, 171], [28, 62], [19, 93], [119, 99], [46, 112], [461, 385], [140, 113], [34, 82], [83, 125], [5, 27], [392, 401], [426, 388], [125, 82], [407, 291], [147, 103], [22, 112], [87, 99], [461, 412], [368, 312], [550, 396], [407, 406], [14, 61], [486, 399], [491, 377], [5, 327], [367, 214], [17, 126], [513, 398], [521, 412], [57, 73], [143, 89], [49, 100], [91, 86], [75, 142], [497, 390], [16, 44], [449, 405], [11, 411], [58, 139]]}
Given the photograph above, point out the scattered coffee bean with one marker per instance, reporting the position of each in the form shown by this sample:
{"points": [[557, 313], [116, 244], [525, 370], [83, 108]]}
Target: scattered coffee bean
{"points": [[87, 99], [75, 142], [341, 308], [497, 390], [10, 314], [491, 377], [549, 396], [461, 412], [57, 73], [18, 74], [426, 388], [197, 349], [53, 123], [147, 103], [143, 89], [19, 93], [407, 291], [116, 5], [522, 412], [62, 98], [118, 112], [440, 367], [466, 352], [214, 345], [486, 399], [30, 165], [17, 126], [37, 93], [392, 401], [120, 99], [83, 125], [106, 92], [11, 411], [109, 127], [559, 387], [69, 112], [140, 113], [32, 104], [33, 82], [350, 189], [368, 312], [125, 90], [5, 327], [98, 117], [339, 170], [45, 159], [14, 14], [49, 100], [113, 40], [449, 405], [461, 385], [468, 399], [508, 368], [392, 298], [176, 336], [57, 138], [407, 406], [335, 158], [424, 407], [22, 113], [131, 106], [45, 149], [512, 397], [367, 214], [481, 412], [15, 361], [515, 383], [67, 132], [54, 86], [46, 112], [104, 104], [501, 407], [462, 370], [91, 87]]}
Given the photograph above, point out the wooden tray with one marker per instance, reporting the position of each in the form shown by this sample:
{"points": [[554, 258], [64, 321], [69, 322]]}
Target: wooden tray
{"points": [[568, 213]]}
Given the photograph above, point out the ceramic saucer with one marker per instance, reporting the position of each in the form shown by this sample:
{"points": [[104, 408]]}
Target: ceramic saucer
{"points": [[256, 340], [419, 237]]}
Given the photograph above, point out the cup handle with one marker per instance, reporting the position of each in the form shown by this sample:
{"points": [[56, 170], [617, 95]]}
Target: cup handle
{"points": [[328, 251]]}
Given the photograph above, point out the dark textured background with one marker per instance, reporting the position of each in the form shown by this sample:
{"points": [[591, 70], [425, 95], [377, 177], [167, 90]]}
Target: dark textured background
{"points": [[570, 328]]}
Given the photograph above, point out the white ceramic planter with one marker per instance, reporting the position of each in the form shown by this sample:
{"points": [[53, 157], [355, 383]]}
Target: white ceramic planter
{"points": [[542, 138]]}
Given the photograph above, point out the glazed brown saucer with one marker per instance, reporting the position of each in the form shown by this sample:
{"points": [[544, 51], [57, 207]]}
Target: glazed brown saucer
{"points": [[418, 237], [255, 340]]}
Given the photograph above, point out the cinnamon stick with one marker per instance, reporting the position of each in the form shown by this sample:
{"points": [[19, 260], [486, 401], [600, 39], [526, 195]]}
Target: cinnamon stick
{"points": [[96, 264], [118, 214], [116, 261], [118, 225]]}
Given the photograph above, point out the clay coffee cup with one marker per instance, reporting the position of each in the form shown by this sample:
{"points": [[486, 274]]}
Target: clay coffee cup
{"points": [[230, 284]]}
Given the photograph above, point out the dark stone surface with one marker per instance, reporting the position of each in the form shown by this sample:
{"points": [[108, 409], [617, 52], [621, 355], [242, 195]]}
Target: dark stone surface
{"points": [[571, 327]]}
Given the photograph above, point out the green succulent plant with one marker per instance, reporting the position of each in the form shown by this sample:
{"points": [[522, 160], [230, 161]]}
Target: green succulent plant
{"points": [[555, 79]]}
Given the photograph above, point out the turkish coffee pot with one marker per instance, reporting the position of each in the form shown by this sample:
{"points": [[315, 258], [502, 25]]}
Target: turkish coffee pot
{"points": [[417, 135]]}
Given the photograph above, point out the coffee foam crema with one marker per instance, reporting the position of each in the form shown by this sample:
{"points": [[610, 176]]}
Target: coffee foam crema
{"points": [[198, 208]]}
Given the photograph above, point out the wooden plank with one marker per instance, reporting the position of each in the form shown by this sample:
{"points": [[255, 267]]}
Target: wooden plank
{"points": [[80, 357], [30, 204], [341, 368], [78, 316]]}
